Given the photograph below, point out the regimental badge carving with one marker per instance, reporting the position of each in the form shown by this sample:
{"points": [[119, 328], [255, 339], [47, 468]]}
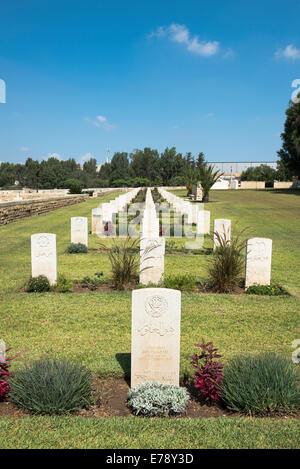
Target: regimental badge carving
{"points": [[43, 241], [156, 306]]}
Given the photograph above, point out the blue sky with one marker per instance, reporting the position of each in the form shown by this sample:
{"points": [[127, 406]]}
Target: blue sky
{"points": [[202, 76]]}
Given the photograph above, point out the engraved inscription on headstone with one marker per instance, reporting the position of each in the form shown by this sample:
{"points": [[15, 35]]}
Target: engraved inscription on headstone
{"points": [[43, 256], [155, 336], [258, 261]]}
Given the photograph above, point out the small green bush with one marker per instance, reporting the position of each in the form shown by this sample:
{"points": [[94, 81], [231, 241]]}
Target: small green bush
{"points": [[51, 387], [92, 282], [262, 384], [180, 282], [269, 290], [156, 399], [77, 248], [63, 284], [38, 284]]}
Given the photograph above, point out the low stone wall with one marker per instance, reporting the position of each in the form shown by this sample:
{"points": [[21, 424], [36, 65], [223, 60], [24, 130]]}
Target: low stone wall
{"points": [[13, 211], [283, 185], [252, 185]]}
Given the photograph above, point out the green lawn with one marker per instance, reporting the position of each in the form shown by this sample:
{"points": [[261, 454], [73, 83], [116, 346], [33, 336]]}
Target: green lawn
{"points": [[94, 328]]}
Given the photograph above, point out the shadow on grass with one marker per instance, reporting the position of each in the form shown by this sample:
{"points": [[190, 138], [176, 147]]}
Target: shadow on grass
{"points": [[285, 191], [124, 360]]}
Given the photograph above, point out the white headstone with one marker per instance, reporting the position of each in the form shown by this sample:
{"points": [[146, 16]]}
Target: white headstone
{"points": [[223, 227], [258, 261], [152, 255], [43, 256], [2, 351], [96, 221], [155, 336], [79, 230], [203, 222]]}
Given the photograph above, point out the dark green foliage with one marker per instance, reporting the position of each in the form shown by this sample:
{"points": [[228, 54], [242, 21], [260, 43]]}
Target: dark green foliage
{"points": [[38, 284], [180, 282], [262, 384], [92, 282], [208, 177], [77, 248], [290, 152], [63, 284], [227, 263], [269, 290], [74, 186], [51, 387], [262, 172], [125, 261]]}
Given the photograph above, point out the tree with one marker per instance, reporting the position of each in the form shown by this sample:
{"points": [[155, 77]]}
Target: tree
{"points": [[171, 164], [290, 152], [90, 167], [119, 167], [32, 171], [262, 172], [200, 160], [208, 177], [145, 163], [7, 174], [74, 186]]}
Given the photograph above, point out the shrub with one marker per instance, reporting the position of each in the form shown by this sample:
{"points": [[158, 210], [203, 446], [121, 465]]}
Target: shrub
{"points": [[74, 186], [5, 374], [227, 263], [77, 248], [180, 282], [38, 284], [269, 290], [63, 284], [156, 399], [125, 261], [208, 376], [92, 283], [51, 387], [262, 384]]}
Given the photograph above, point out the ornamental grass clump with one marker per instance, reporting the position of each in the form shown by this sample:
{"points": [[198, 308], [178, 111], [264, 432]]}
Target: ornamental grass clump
{"points": [[125, 260], [264, 384], [208, 377], [5, 374], [157, 399], [227, 263], [51, 387]]}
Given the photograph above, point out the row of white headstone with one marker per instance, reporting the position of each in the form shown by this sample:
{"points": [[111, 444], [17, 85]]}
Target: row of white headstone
{"points": [[105, 214], [194, 213], [258, 250], [152, 246]]}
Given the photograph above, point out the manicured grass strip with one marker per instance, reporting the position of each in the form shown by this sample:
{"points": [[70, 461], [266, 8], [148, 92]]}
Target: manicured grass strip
{"points": [[79, 432]]}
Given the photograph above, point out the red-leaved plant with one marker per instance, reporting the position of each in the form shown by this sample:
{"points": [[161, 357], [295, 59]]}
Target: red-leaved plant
{"points": [[209, 373], [4, 375]]}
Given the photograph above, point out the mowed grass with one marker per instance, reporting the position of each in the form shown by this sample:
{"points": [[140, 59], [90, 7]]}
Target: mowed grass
{"points": [[142, 433], [94, 328]]}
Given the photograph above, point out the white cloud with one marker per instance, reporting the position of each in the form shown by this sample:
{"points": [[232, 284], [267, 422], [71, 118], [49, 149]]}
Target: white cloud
{"points": [[101, 122], [179, 33], [24, 149], [289, 52], [85, 158], [209, 114]]}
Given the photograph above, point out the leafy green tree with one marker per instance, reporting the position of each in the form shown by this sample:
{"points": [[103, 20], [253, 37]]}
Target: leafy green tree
{"points": [[171, 164], [7, 174], [119, 167], [74, 186], [290, 152], [200, 160], [145, 163], [262, 172], [90, 167], [32, 171]]}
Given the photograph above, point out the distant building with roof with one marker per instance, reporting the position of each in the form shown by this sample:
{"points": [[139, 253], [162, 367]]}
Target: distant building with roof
{"points": [[235, 168]]}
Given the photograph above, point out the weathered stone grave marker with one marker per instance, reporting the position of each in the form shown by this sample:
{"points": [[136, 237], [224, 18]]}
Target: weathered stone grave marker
{"points": [[43, 256], [258, 261], [152, 259], [79, 230], [155, 336], [223, 227]]}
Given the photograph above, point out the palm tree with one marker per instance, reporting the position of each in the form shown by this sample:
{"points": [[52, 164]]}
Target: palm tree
{"points": [[208, 177]]}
